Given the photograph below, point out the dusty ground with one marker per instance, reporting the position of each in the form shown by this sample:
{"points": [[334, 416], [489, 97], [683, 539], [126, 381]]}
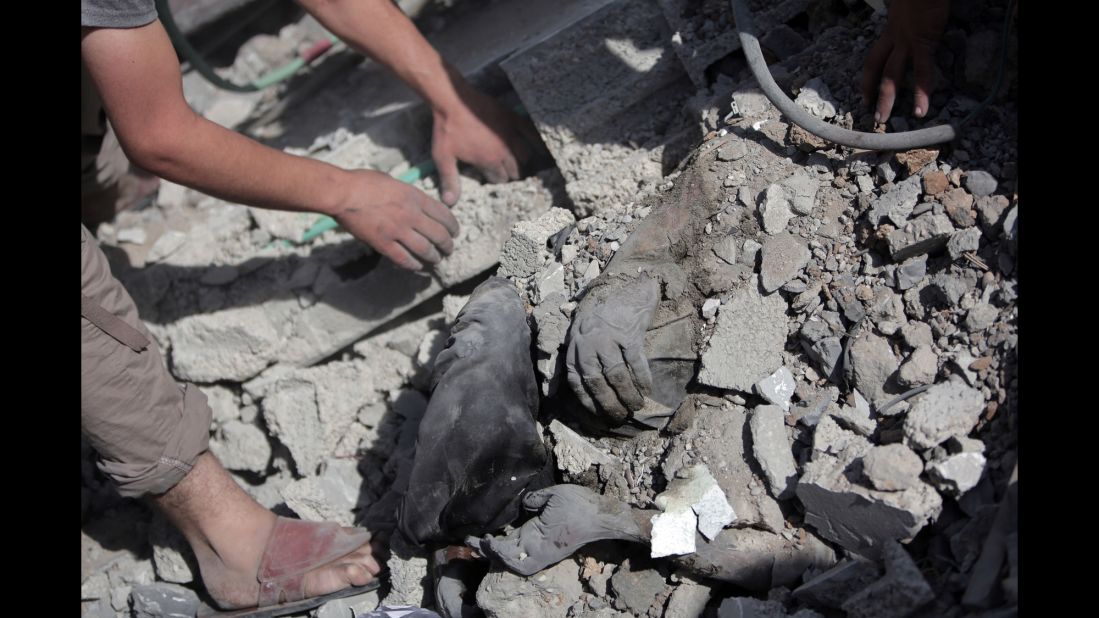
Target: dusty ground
{"points": [[886, 271]]}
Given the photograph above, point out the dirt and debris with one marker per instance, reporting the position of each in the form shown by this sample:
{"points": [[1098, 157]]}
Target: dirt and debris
{"points": [[832, 283]]}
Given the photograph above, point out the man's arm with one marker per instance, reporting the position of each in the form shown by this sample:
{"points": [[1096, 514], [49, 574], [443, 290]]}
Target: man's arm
{"points": [[469, 126], [137, 74]]}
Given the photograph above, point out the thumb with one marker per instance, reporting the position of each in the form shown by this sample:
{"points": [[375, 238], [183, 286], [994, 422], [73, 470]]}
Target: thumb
{"points": [[535, 500]]}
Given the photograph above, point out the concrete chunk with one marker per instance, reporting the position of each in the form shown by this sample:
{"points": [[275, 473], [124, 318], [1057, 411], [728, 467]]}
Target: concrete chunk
{"points": [[525, 251], [834, 586], [899, 593], [775, 211], [926, 233], [957, 474], [947, 409], [777, 388], [772, 450], [573, 453], [747, 342], [802, 189], [893, 467], [784, 257], [232, 344], [242, 446]]}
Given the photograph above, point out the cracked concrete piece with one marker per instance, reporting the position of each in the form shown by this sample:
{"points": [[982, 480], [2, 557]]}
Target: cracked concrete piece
{"points": [[784, 257], [233, 344], [161, 600], [692, 500], [749, 607], [856, 417], [548, 282], [775, 211], [802, 189], [748, 341], [726, 249], [172, 556], [926, 233], [899, 593], [858, 518], [168, 243], [919, 368], [291, 413], [635, 590], [688, 600], [525, 250], [873, 365], [549, 593], [721, 439], [242, 446], [815, 97], [772, 450], [896, 205], [321, 498], [893, 467], [957, 474], [777, 388], [911, 272], [946, 410], [835, 585], [967, 240], [980, 317], [573, 453], [673, 533]]}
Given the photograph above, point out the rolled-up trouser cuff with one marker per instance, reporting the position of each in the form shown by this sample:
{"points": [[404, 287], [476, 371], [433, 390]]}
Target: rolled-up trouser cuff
{"points": [[146, 428], [189, 439]]}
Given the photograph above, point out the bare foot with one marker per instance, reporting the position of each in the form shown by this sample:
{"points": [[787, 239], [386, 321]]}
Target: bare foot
{"points": [[229, 533]]}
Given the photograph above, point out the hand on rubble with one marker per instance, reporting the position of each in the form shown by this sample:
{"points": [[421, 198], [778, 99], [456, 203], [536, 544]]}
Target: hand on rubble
{"points": [[605, 360], [912, 31], [398, 220], [571, 516], [477, 130]]}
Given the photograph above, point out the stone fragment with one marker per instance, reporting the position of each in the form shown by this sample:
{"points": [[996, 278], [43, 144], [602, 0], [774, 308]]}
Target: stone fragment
{"points": [[957, 474], [926, 233], [777, 388], [893, 467], [242, 446], [784, 257], [775, 210], [899, 593], [574, 454], [980, 183], [772, 450], [946, 410], [747, 342], [525, 251]]}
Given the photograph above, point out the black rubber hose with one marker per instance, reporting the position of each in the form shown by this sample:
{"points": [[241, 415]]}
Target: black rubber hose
{"points": [[906, 140], [190, 54]]}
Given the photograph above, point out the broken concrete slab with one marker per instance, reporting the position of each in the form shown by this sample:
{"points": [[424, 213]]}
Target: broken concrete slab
{"points": [[774, 209], [772, 450], [748, 340], [549, 593], [926, 233], [892, 467], [688, 600], [635, 590], [573, 453], [784, 257], [957, 474], [873, 367], [858, 518], [919, 368], [525, 251], [241, 446], [749, 607], [896, 205], [232, 344], [832, 587], [802, 190], [899, 593], [172, 556], [947, 409], [964, 241], [162, 600], [322, 498], [777, 388]]}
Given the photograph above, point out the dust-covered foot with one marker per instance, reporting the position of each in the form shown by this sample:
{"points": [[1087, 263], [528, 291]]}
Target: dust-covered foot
{"points": [[229, 533]]}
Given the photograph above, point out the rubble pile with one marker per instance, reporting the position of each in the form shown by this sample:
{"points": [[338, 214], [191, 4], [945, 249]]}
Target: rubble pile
{"points": [[848, 446]]}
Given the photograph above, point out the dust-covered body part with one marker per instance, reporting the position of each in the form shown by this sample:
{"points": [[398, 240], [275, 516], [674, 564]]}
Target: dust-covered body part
{"points": [[478, 447]]}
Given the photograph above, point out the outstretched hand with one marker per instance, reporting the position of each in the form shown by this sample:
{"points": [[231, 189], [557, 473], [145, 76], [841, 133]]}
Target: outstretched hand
{"points": [[912, 32]]}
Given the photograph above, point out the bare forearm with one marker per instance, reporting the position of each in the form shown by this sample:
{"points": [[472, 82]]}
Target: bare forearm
{"points": [[201, 154], [380, 30]]}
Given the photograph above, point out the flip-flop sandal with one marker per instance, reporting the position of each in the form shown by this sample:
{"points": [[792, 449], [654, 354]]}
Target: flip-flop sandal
{"points": [[295, 548]]}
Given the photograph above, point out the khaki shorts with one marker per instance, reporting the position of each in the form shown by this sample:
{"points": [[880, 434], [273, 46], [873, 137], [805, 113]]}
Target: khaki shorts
{"points": [[146, 428]]}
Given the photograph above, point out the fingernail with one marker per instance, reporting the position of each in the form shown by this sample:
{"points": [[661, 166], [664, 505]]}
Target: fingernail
{"points": [[448, 197], [877, 116], [919, 112]]}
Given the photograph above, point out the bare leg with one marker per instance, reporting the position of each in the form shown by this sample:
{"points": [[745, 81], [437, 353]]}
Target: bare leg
{"points": [[228, 532]]}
